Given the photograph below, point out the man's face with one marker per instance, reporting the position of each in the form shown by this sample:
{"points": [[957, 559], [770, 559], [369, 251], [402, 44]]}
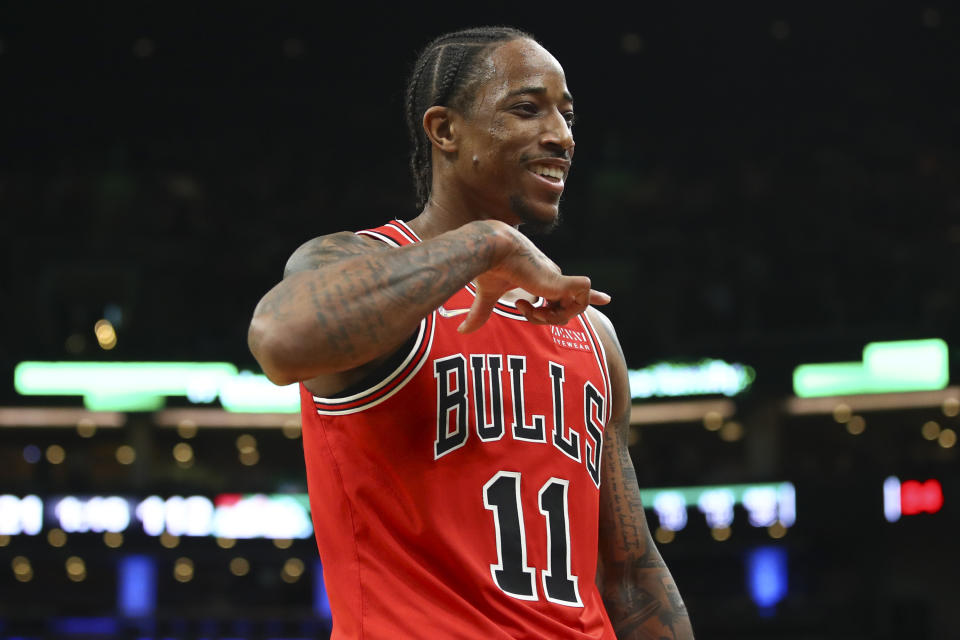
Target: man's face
{"points": [[517, 141]]}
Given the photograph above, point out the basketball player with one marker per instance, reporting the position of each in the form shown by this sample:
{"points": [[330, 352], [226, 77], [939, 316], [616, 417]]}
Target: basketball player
{"points": [[465, 409]]}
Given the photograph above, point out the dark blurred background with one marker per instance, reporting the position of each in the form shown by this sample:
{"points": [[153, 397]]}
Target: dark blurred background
{"points": [[768, 183]]}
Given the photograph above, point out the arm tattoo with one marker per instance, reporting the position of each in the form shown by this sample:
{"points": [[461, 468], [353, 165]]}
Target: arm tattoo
{"points": [[638, 590], [645, 607], [364, 298], [327, 250]]}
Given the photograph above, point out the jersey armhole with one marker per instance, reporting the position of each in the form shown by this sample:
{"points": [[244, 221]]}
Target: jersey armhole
{"points": [[386, 379], [380, 373], [601, 356]]}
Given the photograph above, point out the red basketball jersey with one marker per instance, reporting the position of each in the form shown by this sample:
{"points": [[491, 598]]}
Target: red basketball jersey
{"points": [[457, 496]]}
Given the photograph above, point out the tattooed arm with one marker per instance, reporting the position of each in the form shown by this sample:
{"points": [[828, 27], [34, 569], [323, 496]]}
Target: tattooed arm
{"points": [[345, 303], [638, 591]]}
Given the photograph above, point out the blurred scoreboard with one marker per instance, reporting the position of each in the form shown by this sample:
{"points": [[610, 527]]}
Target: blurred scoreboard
{"points": [[765, 504], [287, 516], [238, 516]]}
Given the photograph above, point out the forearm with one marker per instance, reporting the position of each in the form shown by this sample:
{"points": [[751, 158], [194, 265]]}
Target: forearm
{"points": [[638, 591], [343, 315], [643, 602]]}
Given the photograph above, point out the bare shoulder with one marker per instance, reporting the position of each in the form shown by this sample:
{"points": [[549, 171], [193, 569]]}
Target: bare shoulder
{"points": [[329, 249], [607, 333], [616, 363]]}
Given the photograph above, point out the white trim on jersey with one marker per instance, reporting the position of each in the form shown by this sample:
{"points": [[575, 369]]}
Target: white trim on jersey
{"points": [[427, 322], [378, 236], [516, 315], [404, 230], [601, 356]]}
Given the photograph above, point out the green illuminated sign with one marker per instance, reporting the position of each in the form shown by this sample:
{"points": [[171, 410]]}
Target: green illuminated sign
{"points": [[143, 386], [254, 393], [887, 367], [668, 379]]}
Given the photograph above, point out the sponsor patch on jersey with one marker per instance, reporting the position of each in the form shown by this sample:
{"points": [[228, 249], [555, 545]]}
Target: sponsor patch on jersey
{"points": [[570, 338]]}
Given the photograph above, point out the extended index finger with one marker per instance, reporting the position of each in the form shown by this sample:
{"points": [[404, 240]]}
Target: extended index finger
{"points": [[480, 310], [598, 297]]}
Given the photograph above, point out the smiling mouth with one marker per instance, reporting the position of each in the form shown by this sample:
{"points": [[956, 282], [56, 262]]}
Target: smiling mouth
{"points": [[550, 173]]}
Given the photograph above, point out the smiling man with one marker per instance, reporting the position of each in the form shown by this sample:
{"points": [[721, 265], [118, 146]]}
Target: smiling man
{"points": [[465, 407]]}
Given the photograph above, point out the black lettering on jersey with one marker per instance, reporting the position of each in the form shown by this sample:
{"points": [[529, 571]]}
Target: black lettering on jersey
{"points": [[521, 430], [452, 431], [559, 583], [570, 447], [493, 364], [501, 495], [593, 399]]}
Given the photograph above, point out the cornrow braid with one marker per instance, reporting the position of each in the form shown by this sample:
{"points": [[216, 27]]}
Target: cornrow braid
{"points": [[444, 75]]}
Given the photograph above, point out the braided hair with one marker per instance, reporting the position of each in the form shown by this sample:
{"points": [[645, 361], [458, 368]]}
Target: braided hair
{"points": [[445, 74]]}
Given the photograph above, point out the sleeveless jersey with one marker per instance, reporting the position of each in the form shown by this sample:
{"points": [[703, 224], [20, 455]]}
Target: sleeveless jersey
{"points": [[457, 495]]}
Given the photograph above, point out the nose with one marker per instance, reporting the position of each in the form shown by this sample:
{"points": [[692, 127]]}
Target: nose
{"points": [[557, 134]]}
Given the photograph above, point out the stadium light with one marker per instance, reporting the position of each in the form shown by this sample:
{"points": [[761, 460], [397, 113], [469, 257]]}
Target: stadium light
{"points": [[887, 367], [143, 386]]}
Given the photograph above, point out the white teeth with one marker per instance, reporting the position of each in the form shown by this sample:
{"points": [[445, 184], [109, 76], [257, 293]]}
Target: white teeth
{"points": [[552, 172]]}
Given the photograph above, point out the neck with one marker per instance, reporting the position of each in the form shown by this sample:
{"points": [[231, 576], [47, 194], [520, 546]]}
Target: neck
{"points": [[440, 216]]}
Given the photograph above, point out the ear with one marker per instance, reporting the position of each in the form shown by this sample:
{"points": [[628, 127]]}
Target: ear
{"points": [[439, 124]]}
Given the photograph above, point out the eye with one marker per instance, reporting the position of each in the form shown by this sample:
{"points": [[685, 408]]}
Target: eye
{"points": [[569, 117], [526, 108]]}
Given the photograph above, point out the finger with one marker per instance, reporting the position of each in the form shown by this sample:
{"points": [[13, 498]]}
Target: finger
{"points": [[480, 310], [598, 297], [552, 313], [588, 296], [531, 313], [569, 287]]}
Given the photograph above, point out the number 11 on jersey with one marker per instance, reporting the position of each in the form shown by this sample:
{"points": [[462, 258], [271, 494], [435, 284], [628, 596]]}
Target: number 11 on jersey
{"points": [[501, 495]]}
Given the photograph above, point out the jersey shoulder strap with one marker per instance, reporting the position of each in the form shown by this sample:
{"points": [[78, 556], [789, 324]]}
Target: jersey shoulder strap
{"points": [[396, 233]]}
